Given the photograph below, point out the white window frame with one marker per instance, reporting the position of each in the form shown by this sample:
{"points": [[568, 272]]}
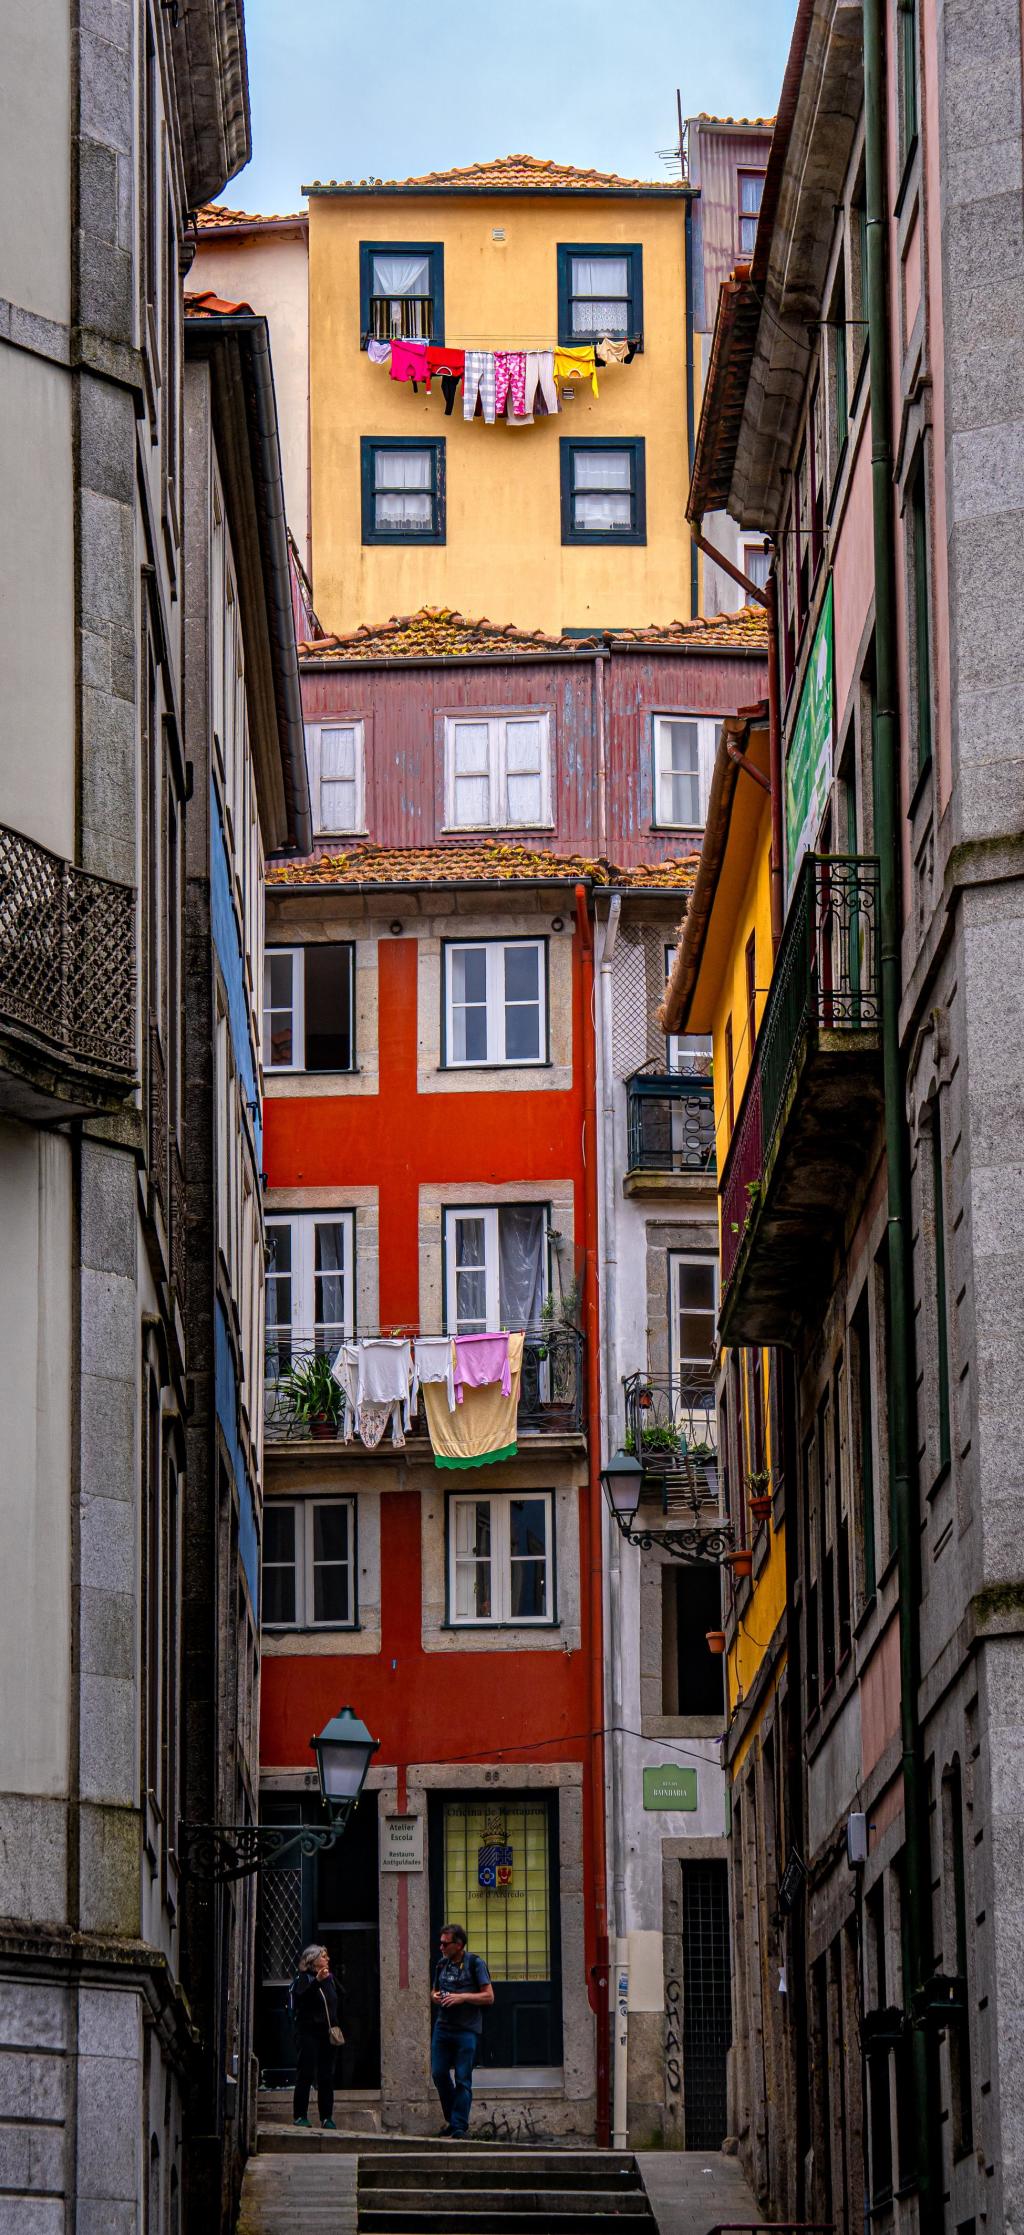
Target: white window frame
{"points": [[315, 732], [495, 951], [304, 1510], [677, 1259], [298, 1011], [708, 731], [501, 1615], [302, 1330], [490, 1213], [678, 1045], [498, 727]]}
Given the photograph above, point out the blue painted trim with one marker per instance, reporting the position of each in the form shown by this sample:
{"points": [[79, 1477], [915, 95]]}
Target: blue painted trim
{"points": [[369, 446], [637, 530], [434, 249], [634, 329], [224, 926], [226, 1399]]}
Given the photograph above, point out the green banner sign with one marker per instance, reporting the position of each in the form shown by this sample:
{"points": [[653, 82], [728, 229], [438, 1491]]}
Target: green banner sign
{"points": [[670, 1788], [809, 759]]}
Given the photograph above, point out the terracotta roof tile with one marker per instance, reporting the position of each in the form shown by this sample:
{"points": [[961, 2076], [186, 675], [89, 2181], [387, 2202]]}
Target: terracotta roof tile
{"points": [[506, 174], [747, 630], [436, 632], [470, 861], [752, 123], [214, 217], [209, 305]]}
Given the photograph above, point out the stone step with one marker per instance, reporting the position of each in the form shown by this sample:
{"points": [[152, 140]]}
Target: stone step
{"points": [[288, 2141], [443, 2216], [479, 2172], [629, 2203]]}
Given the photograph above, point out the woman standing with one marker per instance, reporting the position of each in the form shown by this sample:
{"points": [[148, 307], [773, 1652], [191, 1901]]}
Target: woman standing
{"points": [[314, 2006]]}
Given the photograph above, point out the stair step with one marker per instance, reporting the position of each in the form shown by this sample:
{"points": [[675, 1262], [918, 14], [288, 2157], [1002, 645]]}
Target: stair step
{"points": [[631, 2202], [442, 2218], [481, 2172]]}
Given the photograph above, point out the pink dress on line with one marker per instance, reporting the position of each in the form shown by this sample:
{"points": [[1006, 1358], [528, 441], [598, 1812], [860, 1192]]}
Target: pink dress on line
{"points": [[480, 1360]]}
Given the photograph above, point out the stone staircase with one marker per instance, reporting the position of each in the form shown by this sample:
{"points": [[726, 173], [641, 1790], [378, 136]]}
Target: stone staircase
{"points": [[474, 2189]]}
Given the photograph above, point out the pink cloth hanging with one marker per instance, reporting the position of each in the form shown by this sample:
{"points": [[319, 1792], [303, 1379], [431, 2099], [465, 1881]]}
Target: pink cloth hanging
{"points": [[480, 1360], [409, 361]]}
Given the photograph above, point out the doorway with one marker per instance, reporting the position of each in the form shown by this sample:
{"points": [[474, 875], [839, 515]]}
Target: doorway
{"points": [[494, 1870], [707, 2008], [332, 1897]]}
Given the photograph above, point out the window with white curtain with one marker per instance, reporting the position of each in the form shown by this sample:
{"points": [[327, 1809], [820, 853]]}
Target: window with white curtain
{"points": [[310, 1287], [600, 292], [402, 290], [309, 1563], [500, 1558], [495, 1002], [498, 772], [403, 491], [336, 767], [751, 188], [684, 758], [603, 491], [496, 1266]]}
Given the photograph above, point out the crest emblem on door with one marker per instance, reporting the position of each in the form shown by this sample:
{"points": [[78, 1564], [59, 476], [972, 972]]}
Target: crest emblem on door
{"points": [[494, 1866]]}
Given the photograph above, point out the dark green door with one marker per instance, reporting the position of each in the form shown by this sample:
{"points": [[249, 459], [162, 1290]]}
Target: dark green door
{"points": [[494, 1870]]}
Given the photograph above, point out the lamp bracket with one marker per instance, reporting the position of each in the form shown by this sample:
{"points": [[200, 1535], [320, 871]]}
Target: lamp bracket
{"points": [[704, 1547], [219, 1853]]}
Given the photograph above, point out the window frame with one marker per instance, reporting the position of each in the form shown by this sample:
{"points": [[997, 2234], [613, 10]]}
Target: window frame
{"points": [[745, 171], [304, 1566], [314, 758], [500, 1561], [676, 1259], [300, 1331], [917, 518], [633, 252], [490, 1212], [636, 533], [493, 1061], [709, 727], [497, 765], [368, 448], [289, 1070], [433, 249]]}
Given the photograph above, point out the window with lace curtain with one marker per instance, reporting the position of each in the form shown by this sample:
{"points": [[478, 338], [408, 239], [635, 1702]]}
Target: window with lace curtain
{"points": [[403, 491], [401, 291], [600, 292], [604, 490]]}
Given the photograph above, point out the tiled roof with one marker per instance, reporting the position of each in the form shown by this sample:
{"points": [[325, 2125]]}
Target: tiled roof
{"points": [[209, 305], [746, 630], [473, 861], [436, 632], [750, 123], [214, 217], [505, 174]]}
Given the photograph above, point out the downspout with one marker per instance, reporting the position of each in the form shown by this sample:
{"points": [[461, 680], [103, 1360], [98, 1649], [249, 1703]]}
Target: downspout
{"points": [[691, 425], [916, 1922], [602, 751], [609, 1274], [595, 1533]]}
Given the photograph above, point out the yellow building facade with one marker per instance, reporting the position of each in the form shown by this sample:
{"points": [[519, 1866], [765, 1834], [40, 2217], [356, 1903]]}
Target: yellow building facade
{"points": [[577, 521]]}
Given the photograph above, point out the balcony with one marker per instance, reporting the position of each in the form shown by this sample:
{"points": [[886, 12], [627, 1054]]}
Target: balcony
{"points": [[67, 985], [670, 1120], [811, 1102], [552, 1396]]}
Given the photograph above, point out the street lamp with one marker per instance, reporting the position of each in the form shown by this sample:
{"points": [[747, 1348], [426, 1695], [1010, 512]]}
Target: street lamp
{"points": [[222, 1852], [623, 1480]]}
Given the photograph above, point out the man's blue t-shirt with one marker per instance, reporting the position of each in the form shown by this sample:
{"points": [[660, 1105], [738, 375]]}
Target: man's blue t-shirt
{"points": [[465, 1974]]}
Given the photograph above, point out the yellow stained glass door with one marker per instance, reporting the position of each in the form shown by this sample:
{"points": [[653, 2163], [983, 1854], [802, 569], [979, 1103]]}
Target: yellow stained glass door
{"points": [[498, 1878]]}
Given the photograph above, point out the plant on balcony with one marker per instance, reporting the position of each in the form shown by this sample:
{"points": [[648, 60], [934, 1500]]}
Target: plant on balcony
{"points": [[705, 1458], [660, 1446], [314, 1397], [759, 1493]]}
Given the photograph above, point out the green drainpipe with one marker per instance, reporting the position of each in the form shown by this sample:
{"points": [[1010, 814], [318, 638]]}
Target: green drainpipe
{"points": [[917, 1921]]}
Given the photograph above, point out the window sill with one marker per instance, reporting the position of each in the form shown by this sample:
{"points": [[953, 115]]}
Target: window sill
{"points": [[322, 830], [578, 536], [307, 1071], [518, 830], [520, 1622], [515, 1063], [311, 1629]]}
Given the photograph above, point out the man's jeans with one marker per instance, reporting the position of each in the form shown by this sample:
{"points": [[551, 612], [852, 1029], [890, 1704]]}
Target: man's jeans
{"points": [[454, 2051]]}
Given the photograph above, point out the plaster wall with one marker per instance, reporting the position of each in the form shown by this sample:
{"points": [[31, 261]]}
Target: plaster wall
{"points": [[37, 771], [35, 144], [269, 271]]}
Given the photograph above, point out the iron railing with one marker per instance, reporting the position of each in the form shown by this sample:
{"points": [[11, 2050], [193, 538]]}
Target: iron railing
{"points": [[401, 317], [551, 1387], [67, 960], [672, 1428], [825, 983], [671, 1122]]}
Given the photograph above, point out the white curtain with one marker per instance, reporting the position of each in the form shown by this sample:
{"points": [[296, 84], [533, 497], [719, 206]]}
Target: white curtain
{"points": [[521, 1257], [600, 288], [401, 275], [523, 772], [400, 476]]}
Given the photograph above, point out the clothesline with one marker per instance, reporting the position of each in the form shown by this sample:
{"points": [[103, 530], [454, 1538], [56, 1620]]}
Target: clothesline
{"points": [[469, 1385], [522, 341]]}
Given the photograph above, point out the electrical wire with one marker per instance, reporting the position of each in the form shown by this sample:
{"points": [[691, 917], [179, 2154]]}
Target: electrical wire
{"points": [[571, 1738]]}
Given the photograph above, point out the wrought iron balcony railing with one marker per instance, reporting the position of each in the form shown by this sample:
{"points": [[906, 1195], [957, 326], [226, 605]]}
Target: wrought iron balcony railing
{"points": [[401, 317], [672, 1428], [551, 1388], [671, 1122], [824, 996], [67, 963]]}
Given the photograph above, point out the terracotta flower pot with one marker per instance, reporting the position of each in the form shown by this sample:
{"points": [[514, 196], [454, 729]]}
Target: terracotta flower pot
{"points": [[322, 1428], [740, 1562], [760, 1508], [716, 1641]]}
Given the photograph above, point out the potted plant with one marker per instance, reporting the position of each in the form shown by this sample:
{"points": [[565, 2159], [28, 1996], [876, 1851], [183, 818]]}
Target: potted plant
{"points": [[705, 1458], [759, 1494], [314, 1397], [716, 1641], [659, 1446], [741, 1561]]}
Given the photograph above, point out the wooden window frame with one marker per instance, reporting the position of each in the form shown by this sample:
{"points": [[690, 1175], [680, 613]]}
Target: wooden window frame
{"points": [[636, 533], [568, 338], [435, 444], [304, 1565]]}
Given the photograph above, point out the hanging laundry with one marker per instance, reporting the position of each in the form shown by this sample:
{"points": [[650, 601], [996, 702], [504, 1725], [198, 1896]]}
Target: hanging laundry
{"points": [[446, 360], [577, 364], [379, 352], [433, 1359], [373, 1420], [482, 1429], [540, 374], [510, 381], [409, 362], [614, 352], [479, 1361], [346, 1373], [479, 382], [385, 1372]]}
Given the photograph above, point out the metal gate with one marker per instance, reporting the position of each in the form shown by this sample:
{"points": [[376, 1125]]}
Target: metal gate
{"points": [[707, 2013]]}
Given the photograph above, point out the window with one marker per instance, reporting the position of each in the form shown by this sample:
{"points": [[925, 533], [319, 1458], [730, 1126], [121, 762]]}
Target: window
{"points": [[941, 1325], [604, 495], [307, 1008], [498, 772], [750, 969], [336, 766], [500, 1559], [920, 620], [687, 1052], [691, 1605], [730, 1073], [401, 290], [309, 1563], [755, 562], [908, 76], [496, 1266], [310, 1284], [840, 384], [600, 292], [816, 465], [865, 1440], [495, 1002], [751, 187], [694, 1307], [403, 491], [684, 759]]}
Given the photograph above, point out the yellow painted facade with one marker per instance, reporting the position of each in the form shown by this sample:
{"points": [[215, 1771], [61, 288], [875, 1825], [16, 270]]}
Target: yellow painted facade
{"points": [[503, 555]]}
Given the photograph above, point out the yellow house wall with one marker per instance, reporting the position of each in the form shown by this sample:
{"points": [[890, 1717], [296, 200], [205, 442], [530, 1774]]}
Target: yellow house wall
{"points": [[504, 555]]}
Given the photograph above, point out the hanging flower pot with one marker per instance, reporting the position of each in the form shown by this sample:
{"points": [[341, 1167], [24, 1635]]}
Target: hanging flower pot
{"points": [[740, 1561], [760, 1508], [716, 1641]]}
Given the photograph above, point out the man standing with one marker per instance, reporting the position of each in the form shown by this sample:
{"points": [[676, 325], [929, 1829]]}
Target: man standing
{"points": [[314, 2006], [462, 1991]]}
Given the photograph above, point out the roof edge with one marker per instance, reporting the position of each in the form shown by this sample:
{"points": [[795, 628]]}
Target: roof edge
{"points": [[674, 1011]]}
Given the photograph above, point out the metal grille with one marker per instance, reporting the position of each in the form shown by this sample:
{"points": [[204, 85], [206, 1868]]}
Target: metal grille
{"points": [[707, 2020], [67, 960], [671, 1122], [280, 1924], [638, 982], [509, 1924]]}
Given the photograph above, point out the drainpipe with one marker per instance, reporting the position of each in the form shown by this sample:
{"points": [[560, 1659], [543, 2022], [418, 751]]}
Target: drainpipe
{"points": [[917, 1920], [602, 752], [690, 412], [610, 1360], [595, 1532]]}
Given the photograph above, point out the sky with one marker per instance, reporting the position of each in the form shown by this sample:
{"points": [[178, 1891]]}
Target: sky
{"points": [[390, 88]]}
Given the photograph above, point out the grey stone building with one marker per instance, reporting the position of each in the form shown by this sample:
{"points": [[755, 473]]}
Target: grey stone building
{"points": [[119, 120]]}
